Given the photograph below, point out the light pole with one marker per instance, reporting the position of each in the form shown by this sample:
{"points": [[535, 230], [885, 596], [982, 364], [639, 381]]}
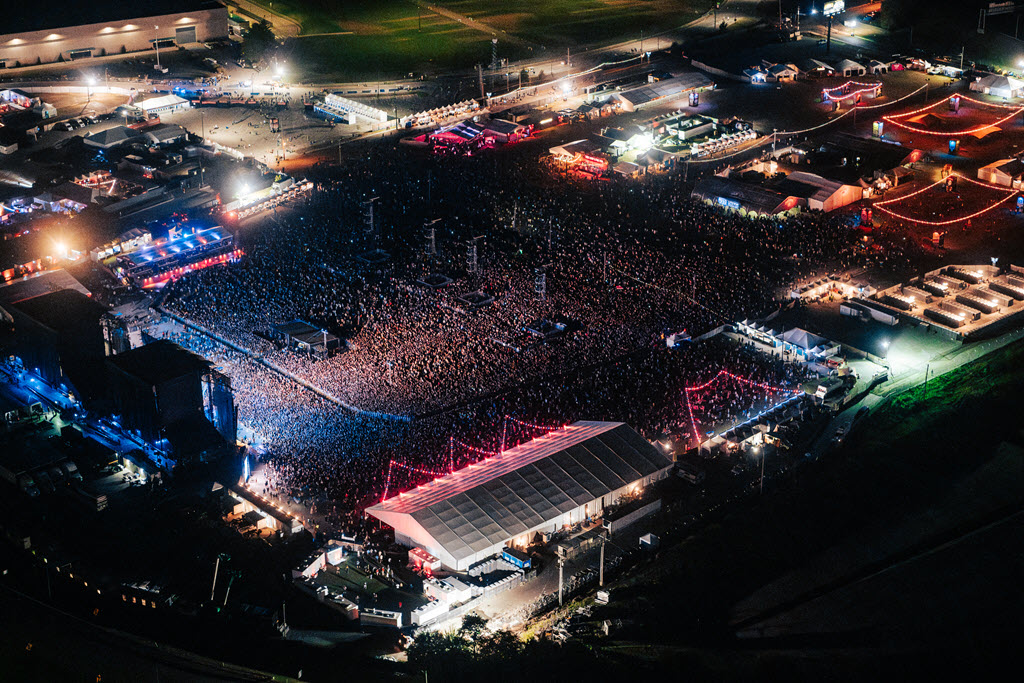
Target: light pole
{"points": [[156, 44], [89, 82], [757, 452]]}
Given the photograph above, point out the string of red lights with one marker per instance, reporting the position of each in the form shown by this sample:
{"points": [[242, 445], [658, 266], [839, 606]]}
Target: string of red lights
{"points": [[891, 118], [419, 470], [543, 428], [760, 385], [701, 387], [951, 220], [882, 205], [474, 449], [829, 93], [693, 423], [848, 84]]}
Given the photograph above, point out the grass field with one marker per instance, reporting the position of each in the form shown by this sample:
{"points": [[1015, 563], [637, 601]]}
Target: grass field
{"points": [[389, 38], [385, 40], [568, 23]]}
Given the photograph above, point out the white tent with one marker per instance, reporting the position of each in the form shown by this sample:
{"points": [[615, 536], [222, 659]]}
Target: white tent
{"points": [[848, 67], [999, 86], [164, 104]]}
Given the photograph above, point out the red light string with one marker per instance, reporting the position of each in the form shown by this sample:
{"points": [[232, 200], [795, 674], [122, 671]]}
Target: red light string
{"points": [[829, 93], [884, 204], [543, 428], [760, 385], [891, 118], [701, 387], [474, 449], [693, 423], [419, 470]]}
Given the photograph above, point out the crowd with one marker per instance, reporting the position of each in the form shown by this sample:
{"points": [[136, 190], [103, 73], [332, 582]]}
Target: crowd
{"points": [[626, 263]]}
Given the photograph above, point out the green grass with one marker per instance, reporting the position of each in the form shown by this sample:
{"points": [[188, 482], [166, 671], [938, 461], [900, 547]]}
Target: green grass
{"points": [[389, 38], [558, 23], [938, 410]]}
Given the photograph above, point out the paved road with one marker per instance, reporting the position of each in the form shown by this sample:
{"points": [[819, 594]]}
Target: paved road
{"points": [[282, 26]]}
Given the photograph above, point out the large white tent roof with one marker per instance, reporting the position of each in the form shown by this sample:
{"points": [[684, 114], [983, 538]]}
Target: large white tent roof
{"points": [[162, 102], [527, 486]]}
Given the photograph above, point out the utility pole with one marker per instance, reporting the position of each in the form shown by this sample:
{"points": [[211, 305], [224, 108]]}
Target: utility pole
{"points": [[540, 281], [216, 568], [430, 238], [761, 485], [234, 575], [561, 564], [480, 78], [371, 226], [471, 254]]}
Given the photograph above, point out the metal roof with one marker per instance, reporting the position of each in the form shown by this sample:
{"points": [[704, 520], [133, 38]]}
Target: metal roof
{"points": [[487, 503]]}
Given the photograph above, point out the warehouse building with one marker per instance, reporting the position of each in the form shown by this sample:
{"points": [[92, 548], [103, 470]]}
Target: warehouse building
{"points": [[541, 486], [67, 31]]}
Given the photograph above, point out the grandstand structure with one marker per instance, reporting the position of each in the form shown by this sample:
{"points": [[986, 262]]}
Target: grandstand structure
{"points": [[560, 479], [343, 109]]}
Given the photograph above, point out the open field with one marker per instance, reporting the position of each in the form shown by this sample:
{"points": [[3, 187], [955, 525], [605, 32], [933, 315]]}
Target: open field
{"points": [[556, 23], [392, 39], [396, 37]]}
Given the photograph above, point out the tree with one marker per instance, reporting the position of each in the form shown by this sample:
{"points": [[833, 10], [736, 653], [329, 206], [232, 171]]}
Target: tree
{"points": [[472, 626], [440, 651], [499, 647], [258, 41]]}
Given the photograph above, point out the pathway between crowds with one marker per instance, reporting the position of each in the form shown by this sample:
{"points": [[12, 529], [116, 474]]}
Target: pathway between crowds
{"points": [[281, 371]]}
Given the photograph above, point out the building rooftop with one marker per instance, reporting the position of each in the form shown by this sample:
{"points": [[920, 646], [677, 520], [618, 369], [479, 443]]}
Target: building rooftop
{"points": [[159, 362], [489, 502], [62, 310], [20, 17], [111, 137], [38, 284], [748, 196]]}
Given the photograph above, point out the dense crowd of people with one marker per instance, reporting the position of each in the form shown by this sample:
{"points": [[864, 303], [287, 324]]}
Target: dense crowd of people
{"points": [[625, 264]]}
